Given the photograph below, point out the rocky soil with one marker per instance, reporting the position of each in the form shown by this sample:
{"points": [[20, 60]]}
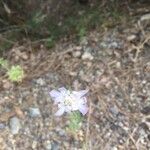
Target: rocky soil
{"points": [[114, 65]]}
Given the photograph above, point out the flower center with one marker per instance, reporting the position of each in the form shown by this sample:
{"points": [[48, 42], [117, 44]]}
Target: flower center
{"points": [[68, 101]]}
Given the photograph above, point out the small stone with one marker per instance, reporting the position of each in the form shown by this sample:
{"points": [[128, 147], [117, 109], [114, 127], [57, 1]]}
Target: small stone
{"points": [[76, 54], [108, 134], [14, 125], [60, 131], [131, 37], [1, 140], [2, 126], [40, 81], [87, 56], [55, 146], [66, 144], [34, 145], [145, 17], [125, 128], [114, 148], [109, 52], [88, 63], [144, 82], [114, 110], [103, 45], [72, 73], [34, 112], [118, 64], [48, 145], [114, 45], [24, 56], [146, 110], [6, 84], [78, 48]]}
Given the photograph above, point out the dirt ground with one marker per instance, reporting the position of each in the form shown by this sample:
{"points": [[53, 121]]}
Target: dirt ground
{"points": [[113, 64]]}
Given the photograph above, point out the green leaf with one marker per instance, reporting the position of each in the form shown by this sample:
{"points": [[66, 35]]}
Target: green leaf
{"points": [[15, 73], [75, 119]]}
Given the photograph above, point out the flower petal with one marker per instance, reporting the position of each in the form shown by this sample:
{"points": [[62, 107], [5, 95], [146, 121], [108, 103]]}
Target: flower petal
{"points": [[56, 96], [80, 93], [83, 109], [60, 111], [63, 90], [83, 100], [54, 93]]}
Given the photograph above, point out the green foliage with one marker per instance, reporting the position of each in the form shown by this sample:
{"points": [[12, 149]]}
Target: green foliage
{"points": [[50, 42], [4, 63], [81, 28], [15, 73], [75, 119], [81, 32], [36, 20], [5, 45], [77, 20]]}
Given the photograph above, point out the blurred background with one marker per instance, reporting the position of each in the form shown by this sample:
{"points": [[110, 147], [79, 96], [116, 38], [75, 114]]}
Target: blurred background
{"points": [[49, 20]]}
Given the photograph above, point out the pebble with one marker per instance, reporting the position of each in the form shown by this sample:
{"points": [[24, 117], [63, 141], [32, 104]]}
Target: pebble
{"points": [[114, 148], [34, 112], [131, 37], [109, 52], [76, 54], [40, 81], [145, 17], [55, 146], [60, 131], [24, 55], [78, 48], [111, 42], [48, 145], [34, 144], [118, 64], [87, 56], [6, 84], [113, 45], [14, 125], [2, 126], [114, 110]]}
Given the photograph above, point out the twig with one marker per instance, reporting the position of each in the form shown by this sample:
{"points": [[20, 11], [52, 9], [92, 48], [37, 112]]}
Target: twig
{"points": [[139, 47], [9, 41], [131, 138], [87, 129]]}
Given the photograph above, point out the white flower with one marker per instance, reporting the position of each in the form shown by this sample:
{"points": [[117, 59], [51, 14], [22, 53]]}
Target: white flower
{"points": [[69, 101]]}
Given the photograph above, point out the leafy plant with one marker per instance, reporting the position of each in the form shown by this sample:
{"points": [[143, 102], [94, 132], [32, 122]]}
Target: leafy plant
{"points": [[15, 73], [75, 119]]}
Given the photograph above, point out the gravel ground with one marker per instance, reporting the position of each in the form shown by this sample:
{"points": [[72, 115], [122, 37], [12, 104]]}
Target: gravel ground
{"points": [[114, 66]]}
